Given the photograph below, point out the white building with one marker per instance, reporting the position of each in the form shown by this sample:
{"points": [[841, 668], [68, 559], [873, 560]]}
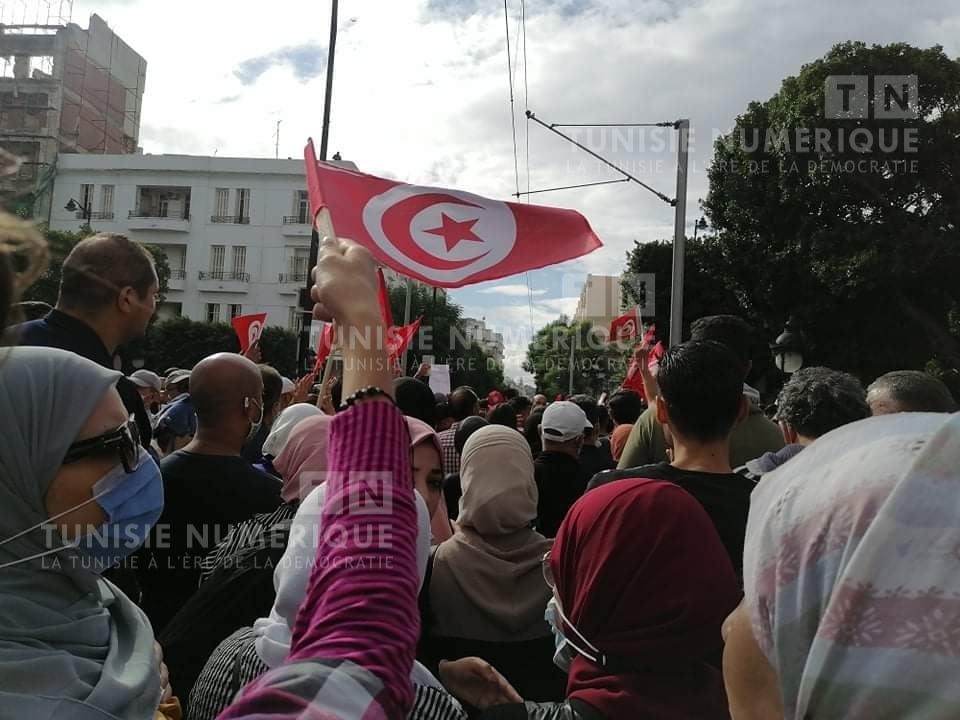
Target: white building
{"points": [[478, 332], [236, 230], [599, 302]]}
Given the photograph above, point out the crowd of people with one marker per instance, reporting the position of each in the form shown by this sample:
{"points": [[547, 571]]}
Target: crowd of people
{"points": [[222, 542]]}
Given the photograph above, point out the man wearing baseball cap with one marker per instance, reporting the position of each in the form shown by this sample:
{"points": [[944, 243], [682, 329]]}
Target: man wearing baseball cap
{"points": [[560, 479], [149, 385]]}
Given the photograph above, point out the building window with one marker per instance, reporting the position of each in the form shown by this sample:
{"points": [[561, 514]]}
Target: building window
{"points": [[295, 319], [298, 264], [243, 205], [222, 204], [236, 311], [213, 312], [301, 206], [217, 253], [239, 262], [86, 197], [106, 202]]}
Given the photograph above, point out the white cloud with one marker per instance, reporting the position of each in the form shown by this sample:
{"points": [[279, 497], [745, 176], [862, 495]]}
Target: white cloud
{"points": [[510, 290]]}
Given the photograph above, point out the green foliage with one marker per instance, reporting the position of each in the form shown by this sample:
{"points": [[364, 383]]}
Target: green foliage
{"points": [[597, 366], [866, 260], [162, 265], [279, 349], [442, 335], [179, 342]]}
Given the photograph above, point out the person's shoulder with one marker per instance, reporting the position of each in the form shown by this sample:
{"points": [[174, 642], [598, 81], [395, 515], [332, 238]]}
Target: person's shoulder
{"points": [[30, 332]]}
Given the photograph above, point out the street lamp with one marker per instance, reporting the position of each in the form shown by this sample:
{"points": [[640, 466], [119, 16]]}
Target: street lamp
{"points": [[788, 348], [72, 206], [700, 224]]}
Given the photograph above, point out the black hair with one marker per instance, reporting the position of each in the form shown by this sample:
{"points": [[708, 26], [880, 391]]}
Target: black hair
{"points": [[415, 398], [626, 406], [701, 383], [521, 403], [510, 393], [100, 266], [463, 403], [467, 428], [916, 391], [503, 414], [589, 407], [32, 309], [731, 331], [604, 424], [272, 387], [817, 399], [531, 431]]}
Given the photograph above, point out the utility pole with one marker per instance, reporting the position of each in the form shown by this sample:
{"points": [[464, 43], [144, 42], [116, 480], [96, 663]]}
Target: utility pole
{"points": [[306, 304], [679, 236], [276, 152]]}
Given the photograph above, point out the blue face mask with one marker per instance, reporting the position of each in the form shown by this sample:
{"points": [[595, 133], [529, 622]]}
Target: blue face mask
{"points": [[565, 647], [132, 503]]}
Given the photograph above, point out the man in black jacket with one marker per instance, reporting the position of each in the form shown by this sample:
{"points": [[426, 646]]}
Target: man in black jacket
{"points": [[108, 293], [560, 478]]}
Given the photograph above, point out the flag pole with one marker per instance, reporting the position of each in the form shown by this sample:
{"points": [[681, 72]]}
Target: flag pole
{"points": [[305, 304]]}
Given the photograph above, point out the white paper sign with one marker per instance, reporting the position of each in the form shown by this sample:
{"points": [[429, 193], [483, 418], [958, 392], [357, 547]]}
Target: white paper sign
{"points": [[440, 379]]}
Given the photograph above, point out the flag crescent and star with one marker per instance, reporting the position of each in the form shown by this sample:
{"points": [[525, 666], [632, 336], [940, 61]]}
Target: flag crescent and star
{"points": [[443, 237]]}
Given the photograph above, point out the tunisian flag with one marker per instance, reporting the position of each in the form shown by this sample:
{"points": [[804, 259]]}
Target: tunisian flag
{"points": [[324, 347], [634, 380], [447, 238], [626, 327], [248, 329]]}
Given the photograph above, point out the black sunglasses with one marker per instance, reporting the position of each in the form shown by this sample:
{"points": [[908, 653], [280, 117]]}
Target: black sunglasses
{"points": [[125, 441]]}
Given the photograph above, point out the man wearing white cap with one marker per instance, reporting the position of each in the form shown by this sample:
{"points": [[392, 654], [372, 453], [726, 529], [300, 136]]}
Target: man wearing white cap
{"points": [[149, 385], [560, 479]]}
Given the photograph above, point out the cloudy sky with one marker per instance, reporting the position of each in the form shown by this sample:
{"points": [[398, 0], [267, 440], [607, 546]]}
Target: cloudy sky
{"points": [[421, 94]]}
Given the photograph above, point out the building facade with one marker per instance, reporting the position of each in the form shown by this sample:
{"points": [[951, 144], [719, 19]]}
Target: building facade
{"points": [[236, 231], [64, 89], [477, 332], [600, 302]]}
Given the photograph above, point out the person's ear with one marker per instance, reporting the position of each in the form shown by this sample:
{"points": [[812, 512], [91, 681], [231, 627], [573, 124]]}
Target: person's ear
{"points": [[127, 300], [661, 409], [744, 410]]}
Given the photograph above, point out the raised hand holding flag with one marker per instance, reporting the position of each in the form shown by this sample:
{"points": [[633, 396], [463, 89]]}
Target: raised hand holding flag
{"points": [[626, 327]]}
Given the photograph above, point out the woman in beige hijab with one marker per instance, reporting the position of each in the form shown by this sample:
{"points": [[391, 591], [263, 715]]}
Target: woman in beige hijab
{"points": [[486, 594]]}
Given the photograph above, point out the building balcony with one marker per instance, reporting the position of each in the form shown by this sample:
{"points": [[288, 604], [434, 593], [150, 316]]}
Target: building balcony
{"points": [[149, 220], [177, 279], [230, 219], [95, 216], [221, 281], [296, 225], [291, 283]]}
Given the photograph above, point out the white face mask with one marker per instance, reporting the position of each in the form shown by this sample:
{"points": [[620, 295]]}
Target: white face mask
{"points": [[565, 646]]}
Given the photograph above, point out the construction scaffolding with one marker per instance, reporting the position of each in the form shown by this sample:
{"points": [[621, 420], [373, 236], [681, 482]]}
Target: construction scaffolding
{"points": [[63, 88]]}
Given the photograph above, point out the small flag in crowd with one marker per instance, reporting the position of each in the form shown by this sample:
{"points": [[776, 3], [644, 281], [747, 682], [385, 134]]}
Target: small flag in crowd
{"points": [[626, 327], [324, 347], [447, 238], [249, 329], [634, 380]]}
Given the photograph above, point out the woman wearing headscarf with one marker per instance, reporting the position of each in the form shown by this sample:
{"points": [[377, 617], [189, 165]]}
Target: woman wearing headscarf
{"points": [[428, 475], [641, 586], [852, 578], [487, 593], [237, 580], [280, 431], [77, 494]]}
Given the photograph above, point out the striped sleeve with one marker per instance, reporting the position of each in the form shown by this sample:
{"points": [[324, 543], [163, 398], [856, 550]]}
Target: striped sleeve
{"points": [[361, 604]]}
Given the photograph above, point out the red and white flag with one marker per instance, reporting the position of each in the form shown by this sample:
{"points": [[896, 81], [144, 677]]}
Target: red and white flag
{"points": [[447, 238], [634, 380], [248, 329], [626, 327], [324, 347]]}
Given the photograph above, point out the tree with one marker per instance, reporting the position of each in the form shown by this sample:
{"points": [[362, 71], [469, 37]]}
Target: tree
{"points": [[180, 342], [597, 365], [443, 336], [864, 255]]}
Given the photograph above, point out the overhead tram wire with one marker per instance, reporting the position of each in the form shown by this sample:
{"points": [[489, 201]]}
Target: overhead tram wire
{"points": [[513, 114], [526, 144]]}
